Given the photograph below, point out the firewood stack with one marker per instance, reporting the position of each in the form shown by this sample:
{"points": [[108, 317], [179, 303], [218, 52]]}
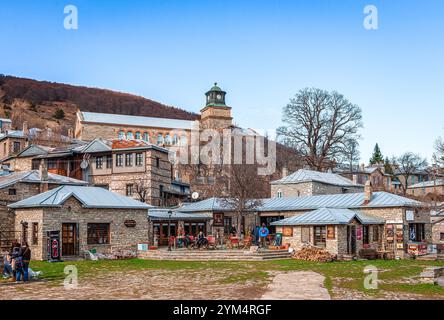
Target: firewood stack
{"points": [[310, 253]]}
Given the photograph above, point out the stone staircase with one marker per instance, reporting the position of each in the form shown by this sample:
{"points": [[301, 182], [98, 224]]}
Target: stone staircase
{"points": [[214, 255]]}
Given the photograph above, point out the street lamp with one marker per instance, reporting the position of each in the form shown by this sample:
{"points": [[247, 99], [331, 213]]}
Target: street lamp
{"points": [[170, 213]]}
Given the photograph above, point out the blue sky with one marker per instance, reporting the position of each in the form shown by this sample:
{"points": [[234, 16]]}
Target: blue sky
{"points": [[260, 52]]}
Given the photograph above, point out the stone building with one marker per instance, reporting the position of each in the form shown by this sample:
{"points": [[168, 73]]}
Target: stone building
{"points": [[406, 222], [422, 189], [308, 183], [163, 132], [12, 142], [17, 186], [86, 218], [342, 232], [438, 227], [373, 173], [132, 168]]}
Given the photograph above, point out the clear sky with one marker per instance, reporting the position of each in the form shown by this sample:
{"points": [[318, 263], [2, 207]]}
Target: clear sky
{"points": [[260, 52]]}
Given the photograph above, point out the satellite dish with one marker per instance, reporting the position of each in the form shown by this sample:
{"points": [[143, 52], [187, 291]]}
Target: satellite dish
{"points": [[84, 164], [195, 195]]}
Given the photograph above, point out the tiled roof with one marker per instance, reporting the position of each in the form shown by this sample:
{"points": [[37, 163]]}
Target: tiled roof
{"points": [[346, 201], [137, 121], [303, 175], [328, 216], [90, 197], [425, 184], [33, 176]]}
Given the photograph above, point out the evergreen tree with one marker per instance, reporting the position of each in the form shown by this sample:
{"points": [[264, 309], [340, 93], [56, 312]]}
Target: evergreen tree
{"points": [[377, 156], [388, 167]]}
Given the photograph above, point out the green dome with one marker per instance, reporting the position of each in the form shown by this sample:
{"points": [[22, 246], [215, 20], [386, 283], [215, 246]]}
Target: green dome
{"points": [[215, 87]]}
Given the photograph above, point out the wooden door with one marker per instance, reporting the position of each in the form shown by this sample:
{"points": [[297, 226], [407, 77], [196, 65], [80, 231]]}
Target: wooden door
{"points": [[69, 239], [351, 237]]}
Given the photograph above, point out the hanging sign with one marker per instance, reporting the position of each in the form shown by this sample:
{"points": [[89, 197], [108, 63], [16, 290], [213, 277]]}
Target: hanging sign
{"points": [[390, 233], [287, 231], [130, 223]]}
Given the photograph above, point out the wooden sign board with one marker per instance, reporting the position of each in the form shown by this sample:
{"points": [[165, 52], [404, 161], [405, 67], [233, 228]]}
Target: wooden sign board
{"points": [[130, 223], [287, 231], [218, 219], [331, 232]]}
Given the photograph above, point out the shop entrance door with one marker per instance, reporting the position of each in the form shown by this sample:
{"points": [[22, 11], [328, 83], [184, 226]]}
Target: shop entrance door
{"points": [[351, 237], [69, 239]]}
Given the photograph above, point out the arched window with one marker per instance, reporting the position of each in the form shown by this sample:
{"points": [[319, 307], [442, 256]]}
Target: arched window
{"points": [[138, 136], [129, 135], [167, 139], [146, 137], [175, 139], [121, 135], [183, 140], [159, 138], [279, 194]]}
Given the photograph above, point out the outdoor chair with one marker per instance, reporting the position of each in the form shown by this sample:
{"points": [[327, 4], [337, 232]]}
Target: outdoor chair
{"points": [[233, 242], [246, 243], [211, 242]]}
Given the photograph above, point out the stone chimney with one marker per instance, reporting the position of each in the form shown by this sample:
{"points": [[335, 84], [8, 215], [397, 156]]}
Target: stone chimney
{"points": [[368, 191], [25, 128], [71, 133], [43, 176], [355, 179], [284, 172]]}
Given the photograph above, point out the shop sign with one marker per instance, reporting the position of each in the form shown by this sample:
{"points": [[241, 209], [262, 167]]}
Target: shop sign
{"points": [[390, 233], [218, 219], [399, 234], [287, 231], [409, 216], [130, 223]]}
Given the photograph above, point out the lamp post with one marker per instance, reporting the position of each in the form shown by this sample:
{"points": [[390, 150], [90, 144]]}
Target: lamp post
{"points": [[170, 213]]}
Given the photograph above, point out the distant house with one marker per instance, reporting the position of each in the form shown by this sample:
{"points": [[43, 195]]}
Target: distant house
{"points": [[432, 187], [307, 183], [373, 173], [86, 218]]}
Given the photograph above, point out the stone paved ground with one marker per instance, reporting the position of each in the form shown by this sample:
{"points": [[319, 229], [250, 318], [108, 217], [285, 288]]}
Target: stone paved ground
{"points": [[145, 284], [297, 285]]}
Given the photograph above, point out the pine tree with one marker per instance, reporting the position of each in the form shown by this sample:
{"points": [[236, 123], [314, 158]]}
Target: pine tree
{"points": [[377, 156], [388, 167]]}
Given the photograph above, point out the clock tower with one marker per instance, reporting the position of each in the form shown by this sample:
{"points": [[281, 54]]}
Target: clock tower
{"points": [[216, 114]]}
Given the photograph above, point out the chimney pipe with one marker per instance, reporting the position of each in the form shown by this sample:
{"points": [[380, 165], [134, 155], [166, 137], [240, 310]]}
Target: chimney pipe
{"points": [[25, 128], [368, 192], [43, 171], [355, 179], [71, 133], [284, 172]]}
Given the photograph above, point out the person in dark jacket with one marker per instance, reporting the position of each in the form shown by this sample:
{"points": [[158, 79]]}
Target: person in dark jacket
{"points": [[26, 259], [15, 254], [256, 234]]}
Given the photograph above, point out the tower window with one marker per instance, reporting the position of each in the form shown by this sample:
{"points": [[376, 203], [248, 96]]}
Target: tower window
{"points": [[129, 135], [138, 136]]}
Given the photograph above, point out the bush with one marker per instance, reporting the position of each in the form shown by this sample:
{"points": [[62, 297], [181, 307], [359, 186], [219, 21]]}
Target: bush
{"points": [[59, 114]]}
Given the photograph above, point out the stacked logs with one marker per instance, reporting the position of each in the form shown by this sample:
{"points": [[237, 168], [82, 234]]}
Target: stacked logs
{"points": [[313, 254]]}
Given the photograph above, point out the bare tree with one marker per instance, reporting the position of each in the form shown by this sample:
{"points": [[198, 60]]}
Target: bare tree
{"points": [[141, 188], [245, 191], [438, 156], [350, 152], [407, 164], [318, 123]]}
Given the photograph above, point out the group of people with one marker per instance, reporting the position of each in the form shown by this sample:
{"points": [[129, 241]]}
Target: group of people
{"points": [[16, 262], [259, 234], [184, 240]]}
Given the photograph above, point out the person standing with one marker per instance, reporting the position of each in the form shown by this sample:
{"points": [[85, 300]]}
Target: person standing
{"points": [[7, 268], [256, 234], [263, 233], [15, 253], [26, 259]]}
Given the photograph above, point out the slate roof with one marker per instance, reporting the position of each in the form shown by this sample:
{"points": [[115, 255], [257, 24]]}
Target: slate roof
{"points": [[33, 176], [425, 184], [342, 201], [162, 214], [34, 150], [328, 216], [90, 197], [138, 121], [304, 175]]}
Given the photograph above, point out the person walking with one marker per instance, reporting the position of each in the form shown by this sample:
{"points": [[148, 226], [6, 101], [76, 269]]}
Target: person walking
{"points": [[7, 267]]}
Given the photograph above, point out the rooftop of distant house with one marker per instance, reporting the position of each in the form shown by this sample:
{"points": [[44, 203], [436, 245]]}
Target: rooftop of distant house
{"points": [[35, 176], [428, 184], [304, 175], [134, 121]]}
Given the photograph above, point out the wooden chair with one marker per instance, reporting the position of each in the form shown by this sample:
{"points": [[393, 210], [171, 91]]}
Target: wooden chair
{"points": [[233, 242], [246, 243]]}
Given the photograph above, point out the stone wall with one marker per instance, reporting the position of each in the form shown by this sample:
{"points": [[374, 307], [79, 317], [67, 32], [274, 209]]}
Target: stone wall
{"points": [[21, 164], [437, 230], [72, 212]]}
